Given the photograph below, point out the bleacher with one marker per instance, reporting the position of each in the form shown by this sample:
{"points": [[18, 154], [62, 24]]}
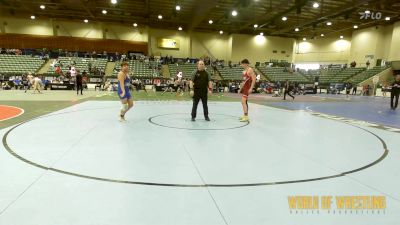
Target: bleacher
{"points": [[139, 69], [366, 74], [186, 69], [19, 64], [310, 74], [346, 74], [279, 74], [327, 74], [234, 73], [81, 64]]}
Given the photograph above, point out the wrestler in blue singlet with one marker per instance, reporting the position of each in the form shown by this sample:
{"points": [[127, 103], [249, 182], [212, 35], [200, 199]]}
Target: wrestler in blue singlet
{"points": [[126, 84]]}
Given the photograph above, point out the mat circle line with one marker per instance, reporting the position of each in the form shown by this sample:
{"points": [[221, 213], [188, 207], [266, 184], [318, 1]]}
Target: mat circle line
{"points": [[14, 153]]}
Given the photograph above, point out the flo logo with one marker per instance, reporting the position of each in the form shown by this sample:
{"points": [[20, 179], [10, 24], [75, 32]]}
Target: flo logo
{"points": [[372, 15]]}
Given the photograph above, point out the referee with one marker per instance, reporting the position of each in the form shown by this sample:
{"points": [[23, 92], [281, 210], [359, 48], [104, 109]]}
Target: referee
{"points": [[395, 92], [78, 79], [201, 84]]}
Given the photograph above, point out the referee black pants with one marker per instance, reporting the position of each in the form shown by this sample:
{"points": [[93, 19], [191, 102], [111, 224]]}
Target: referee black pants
{"points": [[287, 92], [196, 100], [79, 86]]}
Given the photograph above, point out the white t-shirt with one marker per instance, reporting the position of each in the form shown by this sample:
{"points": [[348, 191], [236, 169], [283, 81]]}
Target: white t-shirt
{"points": [[37, 80], [179, 75], [73, 71]]}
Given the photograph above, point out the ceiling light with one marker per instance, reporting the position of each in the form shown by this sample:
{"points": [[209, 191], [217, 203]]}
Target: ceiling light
{"points": [[104, 11], [315, 5], [178, 7], [42, 6], [234, 13], [284, 18], [221, 32], [160, 17], [355, 27], [329, 23], [86, 21], [135, 24], [33, 17], [322, 35], [113, 1], [304, 39], [297, 29], [210, 21], [179, 28], [367, 12], [255, 25], [261, 34], [387, 18], [341, 36]]}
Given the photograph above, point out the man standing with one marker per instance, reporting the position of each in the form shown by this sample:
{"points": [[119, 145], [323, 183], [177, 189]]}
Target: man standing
{"points": [[354, 90], [288, 89], [79, 85], [395, 92], [201, 84]]}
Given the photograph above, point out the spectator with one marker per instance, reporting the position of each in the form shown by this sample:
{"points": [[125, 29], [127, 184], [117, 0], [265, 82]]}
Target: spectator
{"points": [[348, 88], [17, 83], [384, 88], [354, 90], [79, 86]]}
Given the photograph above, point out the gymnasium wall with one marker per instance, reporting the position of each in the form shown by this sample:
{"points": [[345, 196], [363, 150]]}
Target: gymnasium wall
{"points": [[53, 34], [213, 44], [394, 53], [72, 29], [25, 26], [181, 36], [260, 48], [69, 43], [322, 50], [192, 44], [365, 42], [384, 42], [380, 42]]}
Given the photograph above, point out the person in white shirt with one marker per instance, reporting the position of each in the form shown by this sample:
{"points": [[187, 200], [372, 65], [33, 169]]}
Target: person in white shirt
{"points": [[37, 83]]}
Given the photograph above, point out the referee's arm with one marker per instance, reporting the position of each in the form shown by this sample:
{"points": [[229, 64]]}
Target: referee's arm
{"points": [[192, 79]]}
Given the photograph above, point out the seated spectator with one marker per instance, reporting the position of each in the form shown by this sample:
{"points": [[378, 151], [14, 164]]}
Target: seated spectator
{"points": [[6, 86], [17, 83]]}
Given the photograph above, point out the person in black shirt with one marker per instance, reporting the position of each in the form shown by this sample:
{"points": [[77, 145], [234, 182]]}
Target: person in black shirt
{"points": [[354, 90], [288, 88], [201, 84], [395, 92], [79, 82], [348, 88]]}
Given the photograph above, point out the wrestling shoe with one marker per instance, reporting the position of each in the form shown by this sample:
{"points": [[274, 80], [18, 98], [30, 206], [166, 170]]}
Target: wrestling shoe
{"points": [[244, 119], [122, 119]]}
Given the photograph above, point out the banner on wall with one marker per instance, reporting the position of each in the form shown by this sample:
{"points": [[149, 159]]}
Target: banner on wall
{"points": [[167, 43]]}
